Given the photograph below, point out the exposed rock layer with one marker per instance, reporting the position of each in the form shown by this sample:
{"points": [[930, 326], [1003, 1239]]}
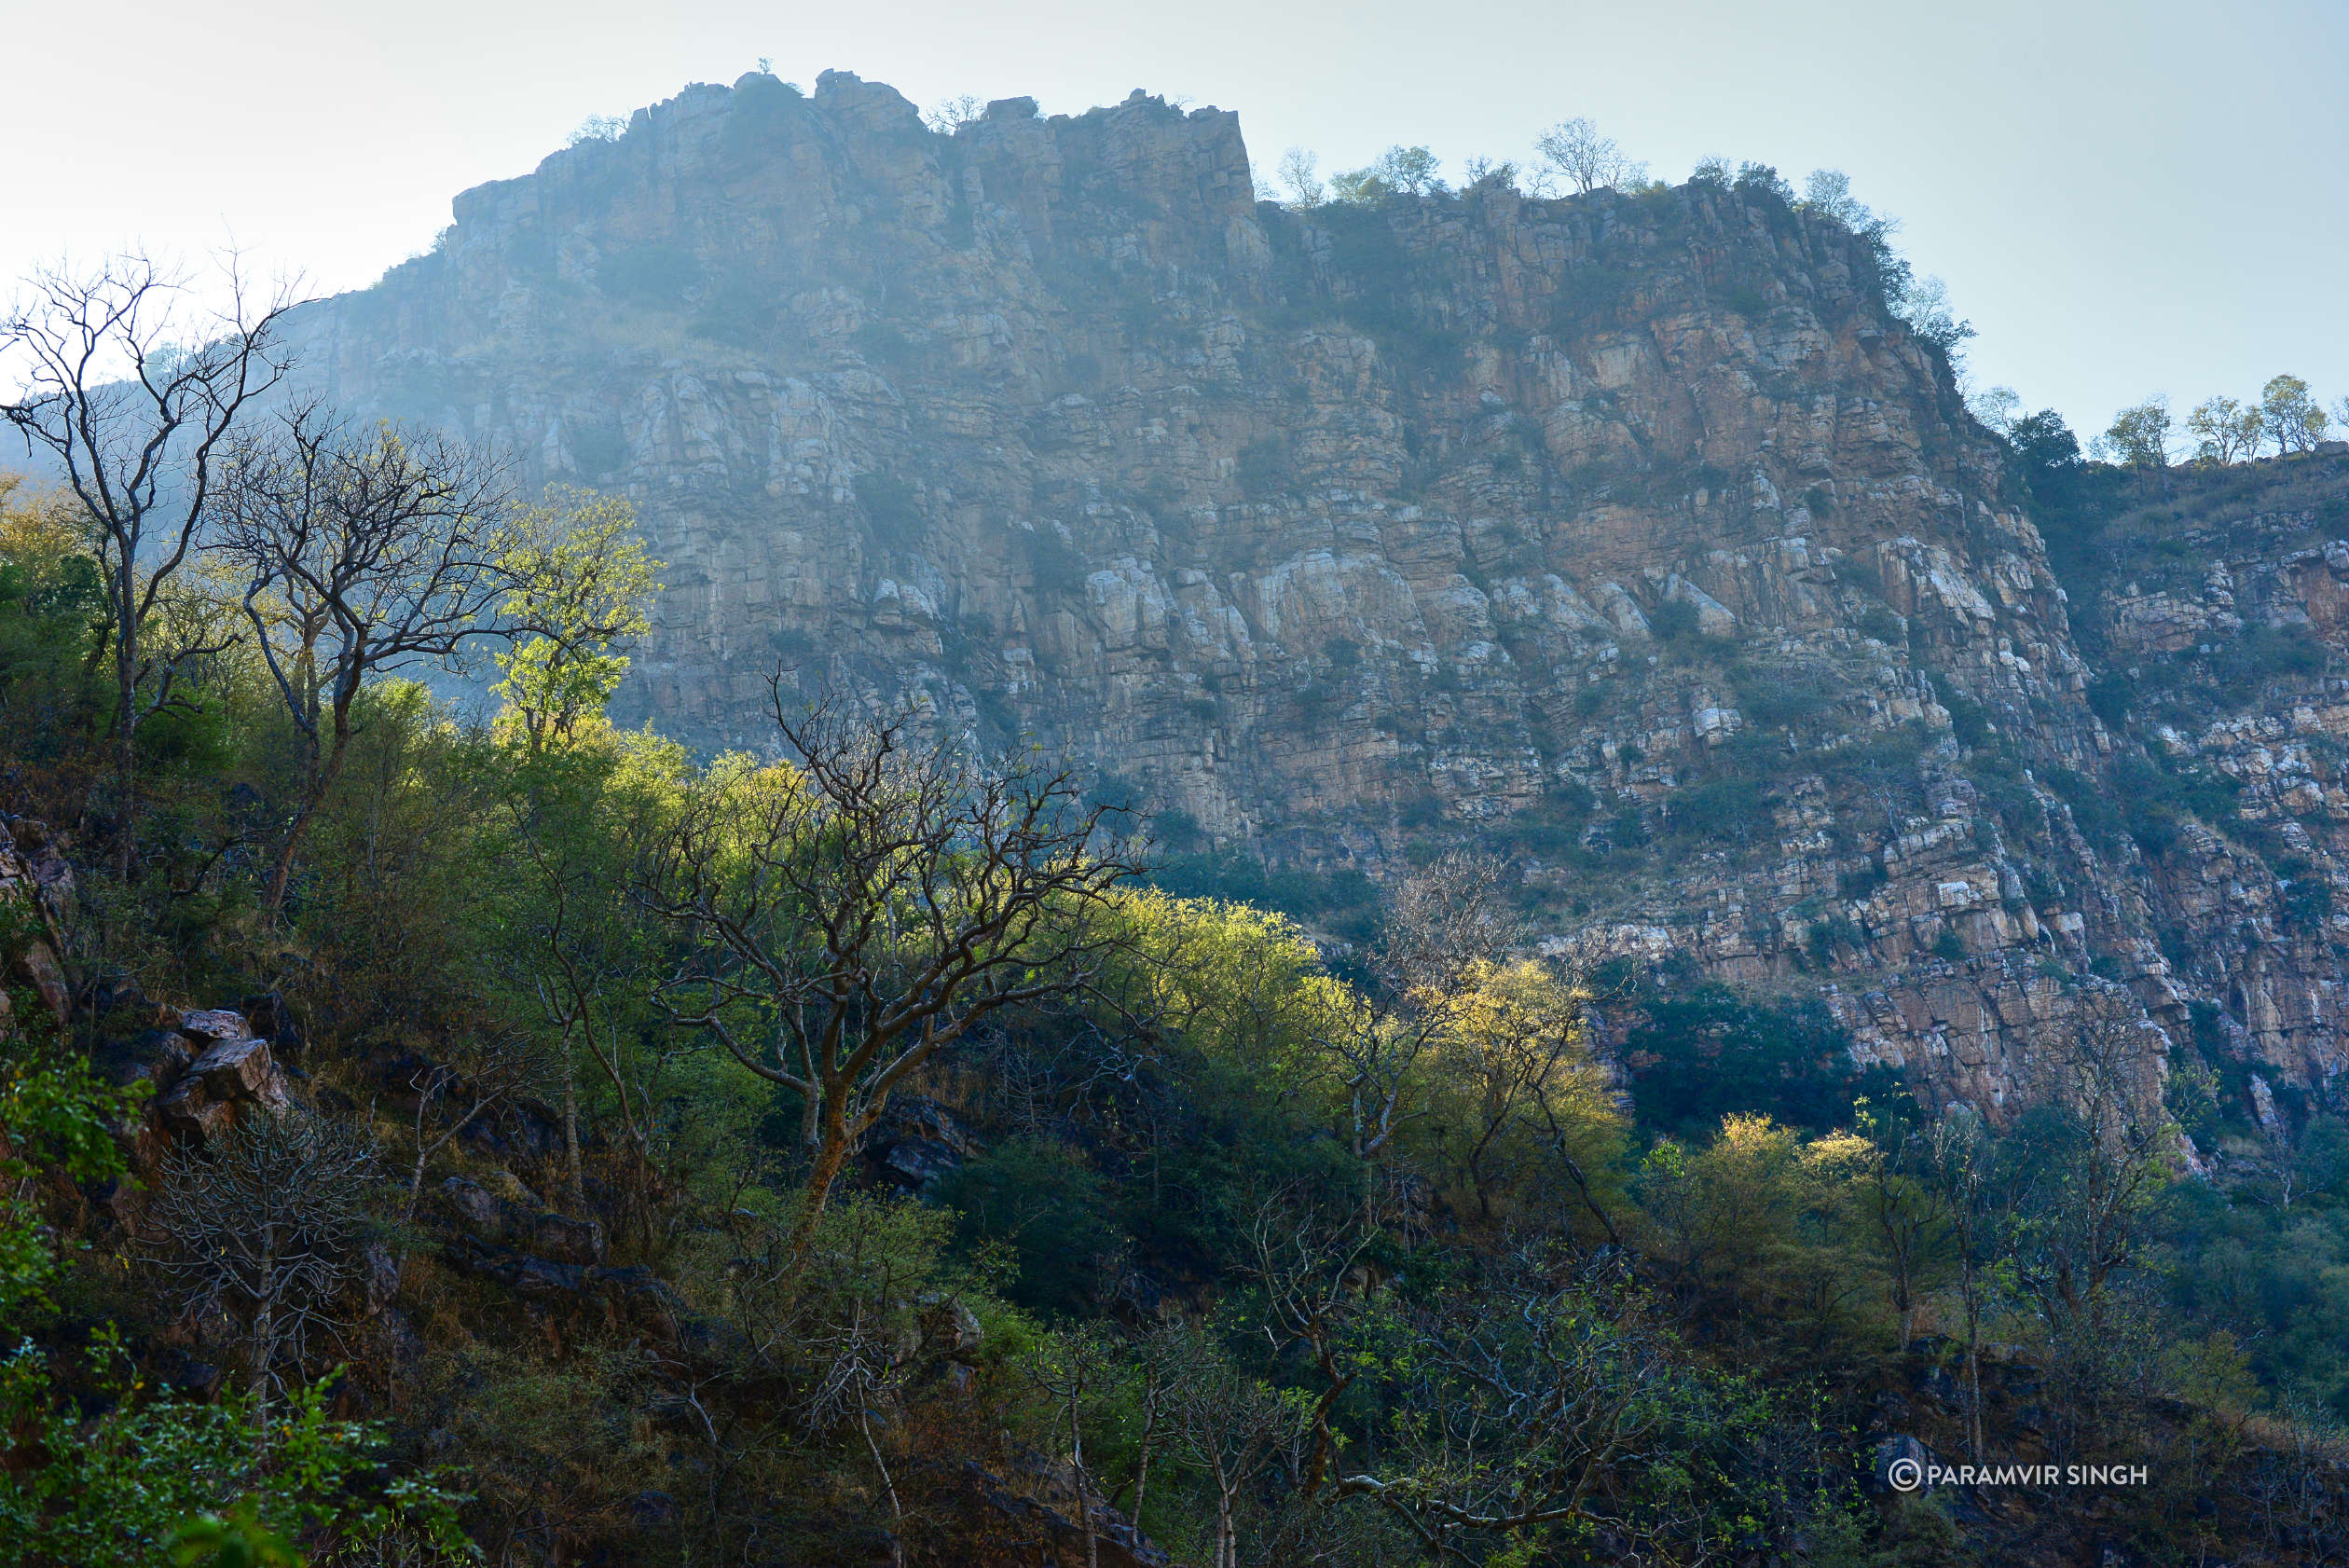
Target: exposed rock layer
{"points": [[1631, 532]]}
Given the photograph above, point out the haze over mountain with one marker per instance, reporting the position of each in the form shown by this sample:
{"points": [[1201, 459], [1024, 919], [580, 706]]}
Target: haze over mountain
{"points": [[1634, 535], [1730, 956]]}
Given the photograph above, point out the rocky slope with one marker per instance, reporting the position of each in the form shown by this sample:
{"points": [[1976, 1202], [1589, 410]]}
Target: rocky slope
{"points": [[1629, 534]]}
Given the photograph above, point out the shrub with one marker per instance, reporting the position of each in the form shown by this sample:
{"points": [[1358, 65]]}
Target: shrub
{"points": [[652, 275], [894, 509], [1698, 1057], [1057, 565], [1673, 620], [1727, 809], [1261, 467]]}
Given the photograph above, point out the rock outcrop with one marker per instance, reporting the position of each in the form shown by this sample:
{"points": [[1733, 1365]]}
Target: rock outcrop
{"points": [[1629, 533]]}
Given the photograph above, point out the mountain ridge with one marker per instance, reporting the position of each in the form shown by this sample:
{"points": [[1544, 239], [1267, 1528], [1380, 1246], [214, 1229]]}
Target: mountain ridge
{"points": [[1633, 535]]}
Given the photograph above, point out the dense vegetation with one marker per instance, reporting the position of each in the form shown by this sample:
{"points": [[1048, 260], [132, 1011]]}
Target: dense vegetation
{"points": [[847, 1152]]}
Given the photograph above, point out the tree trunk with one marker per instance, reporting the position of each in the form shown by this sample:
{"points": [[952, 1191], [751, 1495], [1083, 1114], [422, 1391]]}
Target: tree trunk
{"points": [[126, 723], [1142, 1466], [264, 1351], [570, 1128], [831, 1152], [1084, 1505], [282, 872]]}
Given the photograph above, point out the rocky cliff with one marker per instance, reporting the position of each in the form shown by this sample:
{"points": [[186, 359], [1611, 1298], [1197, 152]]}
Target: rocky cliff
{"points": [[1629, 534]]}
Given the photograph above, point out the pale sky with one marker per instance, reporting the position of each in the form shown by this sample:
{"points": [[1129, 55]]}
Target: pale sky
{"points": [[2124, 196]]}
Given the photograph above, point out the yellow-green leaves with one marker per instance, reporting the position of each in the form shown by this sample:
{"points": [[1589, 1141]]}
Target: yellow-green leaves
{"points": [[582, 585]]}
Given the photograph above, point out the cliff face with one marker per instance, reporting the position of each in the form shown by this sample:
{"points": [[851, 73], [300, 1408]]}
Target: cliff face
{"points": [[1629, 534]]}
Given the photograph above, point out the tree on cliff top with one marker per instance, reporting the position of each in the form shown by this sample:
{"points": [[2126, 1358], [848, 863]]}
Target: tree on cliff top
{"points": [[2290, 416], [1573, 150], [1396, 172], [2139, 436]]}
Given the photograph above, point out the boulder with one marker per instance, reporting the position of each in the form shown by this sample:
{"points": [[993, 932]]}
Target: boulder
{"points": [[1902, 1464], [213, 1024], [269, 1018], [514, 1217], [188, 1112], [235, 1069], [484, 1215], [567, 1240], [378, 1278], [949, 1328], [919, 1163]]}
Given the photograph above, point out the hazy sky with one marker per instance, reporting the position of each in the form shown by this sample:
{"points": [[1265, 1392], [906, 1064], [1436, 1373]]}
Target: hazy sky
{"points": [[2124, 196]]}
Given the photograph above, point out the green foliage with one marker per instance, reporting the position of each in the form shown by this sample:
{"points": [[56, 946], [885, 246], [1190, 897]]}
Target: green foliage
{"points": [[2263, 655], [894, 507], [139, 1480], [1727, 808], [653, 275], [1057, 566], [1053, 1214], [1262, 468], [2108, 697], [582, 586], [1344, 897], [1673, 620], [1699, 1055], [1397, 171]]}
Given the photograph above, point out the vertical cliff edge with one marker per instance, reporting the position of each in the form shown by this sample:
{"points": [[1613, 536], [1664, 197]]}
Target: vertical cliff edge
{"points": [[1631, 535]]}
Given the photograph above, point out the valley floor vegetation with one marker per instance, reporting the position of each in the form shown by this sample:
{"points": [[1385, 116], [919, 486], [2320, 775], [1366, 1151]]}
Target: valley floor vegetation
{"points": [[844, 1153]]}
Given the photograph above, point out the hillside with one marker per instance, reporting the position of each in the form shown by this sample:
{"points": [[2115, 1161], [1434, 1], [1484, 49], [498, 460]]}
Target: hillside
{"points": [[1632, 536]]}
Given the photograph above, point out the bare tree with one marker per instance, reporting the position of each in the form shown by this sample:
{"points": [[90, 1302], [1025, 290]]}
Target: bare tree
{"points": [[1229, 1425], [363, 551], [1157, 1371], [1528, 1406], [853, 917], [1574, 149], [1439, 920], [1298, 174], [268, 1226], [857, 1368], [1312, 1267], [131, 392], [1069, 1369], [950, 115]]}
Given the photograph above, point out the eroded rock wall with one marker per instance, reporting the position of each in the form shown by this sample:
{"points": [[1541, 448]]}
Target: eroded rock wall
{"points": [[1632, 533]]}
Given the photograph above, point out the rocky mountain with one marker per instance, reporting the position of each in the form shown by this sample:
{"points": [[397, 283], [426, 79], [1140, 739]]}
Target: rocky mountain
{"points": [[1632, 536]]}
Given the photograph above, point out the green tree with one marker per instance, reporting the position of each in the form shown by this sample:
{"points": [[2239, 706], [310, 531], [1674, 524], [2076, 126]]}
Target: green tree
{"points": [[149, 1474], [849, 918], [1396, 172], [362, 552], [2140, 436], [582, 586], [2290, 416], [2225, 430]]}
